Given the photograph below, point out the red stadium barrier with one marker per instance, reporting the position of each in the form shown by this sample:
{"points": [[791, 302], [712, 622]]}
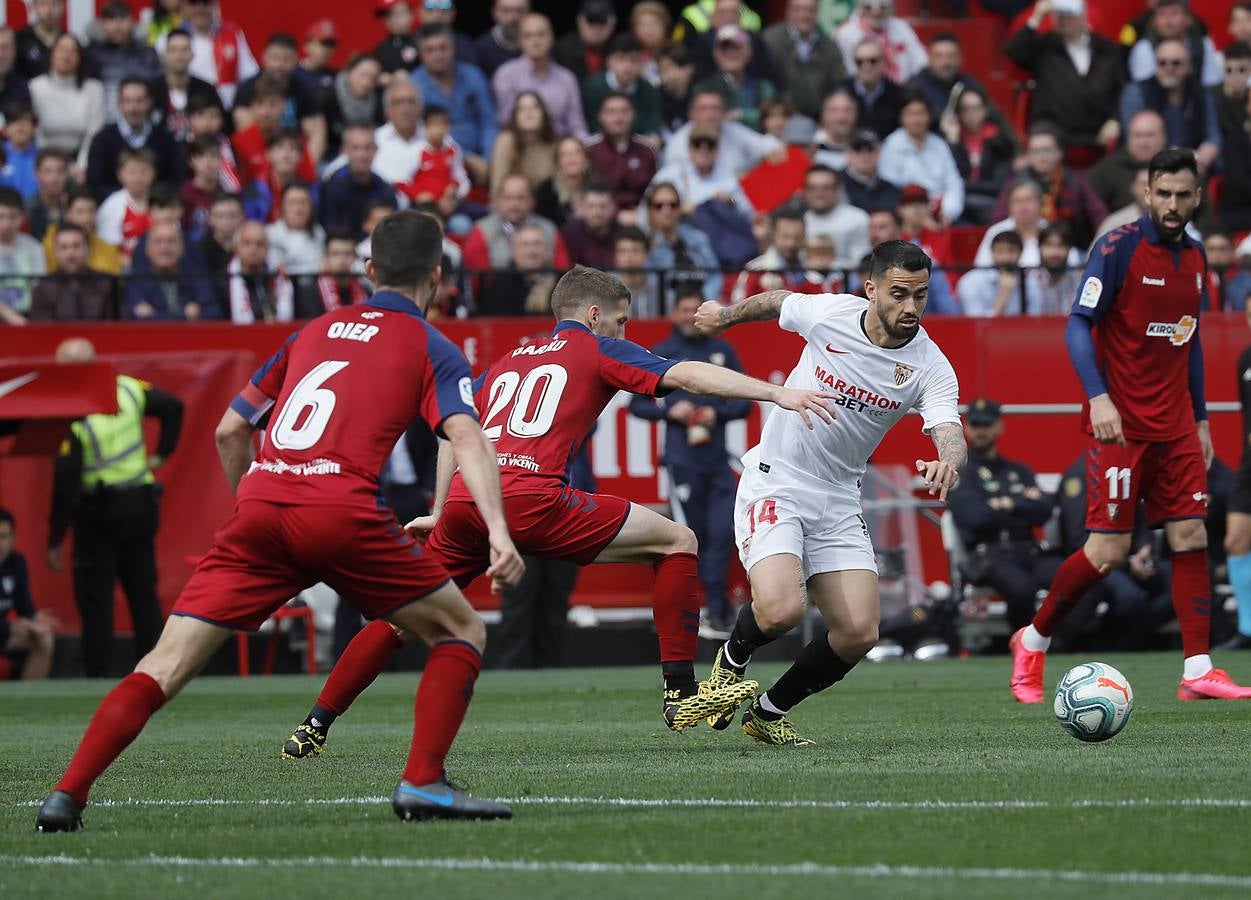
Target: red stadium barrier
{"points": [[1016, 361]]}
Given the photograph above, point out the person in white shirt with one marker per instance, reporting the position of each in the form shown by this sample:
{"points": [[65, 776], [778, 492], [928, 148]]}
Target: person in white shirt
{"points": [[798, 521], [913, 154], [297, 242], [400, 140], [830, 214], [220, 53], [995, 291], [876, 20], [1026, 219], [739, 147], [702, 177]]}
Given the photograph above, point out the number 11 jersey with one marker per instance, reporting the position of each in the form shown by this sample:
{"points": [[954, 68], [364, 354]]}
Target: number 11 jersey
{"points": [[539, 402]]}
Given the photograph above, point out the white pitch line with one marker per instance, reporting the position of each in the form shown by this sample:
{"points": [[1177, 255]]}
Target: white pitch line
{"points": [[607, 867], [712, 803]]}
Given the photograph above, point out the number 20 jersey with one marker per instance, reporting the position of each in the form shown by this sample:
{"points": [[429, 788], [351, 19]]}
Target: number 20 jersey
{"points": [[340, 392], [539, 402]]}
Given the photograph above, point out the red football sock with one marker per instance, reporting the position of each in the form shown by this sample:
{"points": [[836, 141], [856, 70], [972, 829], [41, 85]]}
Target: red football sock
{"points": [[1074, 579], [1192, 593], [118, 720], [675, 606], [442, 698], [362, 661]]}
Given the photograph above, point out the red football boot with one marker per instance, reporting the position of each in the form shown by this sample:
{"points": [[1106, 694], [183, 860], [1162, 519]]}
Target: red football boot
{"points": [[1027, 671]]}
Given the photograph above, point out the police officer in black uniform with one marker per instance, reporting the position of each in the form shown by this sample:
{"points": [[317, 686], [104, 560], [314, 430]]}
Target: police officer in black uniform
{"points": [[996, 507], [701, 483]]}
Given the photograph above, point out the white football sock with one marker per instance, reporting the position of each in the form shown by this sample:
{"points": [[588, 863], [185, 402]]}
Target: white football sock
{"points": [[1196, 666], [1033, 641], [767, 705]]}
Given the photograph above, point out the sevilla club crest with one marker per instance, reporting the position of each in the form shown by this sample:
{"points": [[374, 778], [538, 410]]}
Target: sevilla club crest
{"points": [[902, 373]]}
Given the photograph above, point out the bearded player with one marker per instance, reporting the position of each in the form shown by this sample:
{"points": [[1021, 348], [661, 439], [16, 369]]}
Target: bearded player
{"points": [[1133, 336], [341, 391], [538, 403], [797, 519]]}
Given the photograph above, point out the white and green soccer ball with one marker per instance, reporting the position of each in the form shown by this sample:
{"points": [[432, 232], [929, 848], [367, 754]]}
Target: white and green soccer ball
{"points": [[1093, 701]]}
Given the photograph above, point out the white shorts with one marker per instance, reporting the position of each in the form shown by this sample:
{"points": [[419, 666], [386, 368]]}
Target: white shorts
{"points": [[775, 515]]}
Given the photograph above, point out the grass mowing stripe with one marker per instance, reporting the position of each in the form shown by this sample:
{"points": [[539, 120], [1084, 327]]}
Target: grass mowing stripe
{"points": [[710, 803], [602, 867]]}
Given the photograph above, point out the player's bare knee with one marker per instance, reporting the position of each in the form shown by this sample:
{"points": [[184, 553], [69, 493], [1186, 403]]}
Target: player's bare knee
{"points": [[1107, 552], [1237, 544], [856, 641], [683, 540], [1186, 535], [472, 631], [779, 614]]}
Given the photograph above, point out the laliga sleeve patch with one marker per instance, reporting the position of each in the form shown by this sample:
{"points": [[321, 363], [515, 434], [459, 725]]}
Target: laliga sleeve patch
{"points": [[466, 391], [1092, 290]]}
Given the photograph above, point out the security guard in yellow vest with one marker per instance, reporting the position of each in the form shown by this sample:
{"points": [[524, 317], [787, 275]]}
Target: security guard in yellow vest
{"points": [[697, 19], [104, 488]]}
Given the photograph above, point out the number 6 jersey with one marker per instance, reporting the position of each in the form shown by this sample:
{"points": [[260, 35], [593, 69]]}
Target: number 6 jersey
{"points": [[539, 402], [340, 392]]}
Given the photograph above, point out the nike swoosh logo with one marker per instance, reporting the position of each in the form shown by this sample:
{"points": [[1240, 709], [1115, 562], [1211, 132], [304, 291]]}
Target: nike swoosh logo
{"points": [[440, 799], [830, 348], [8, 387]]}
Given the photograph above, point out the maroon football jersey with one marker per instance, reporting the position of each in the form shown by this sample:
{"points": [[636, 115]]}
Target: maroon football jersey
{"points": [[1144, 295], [340, 392]]}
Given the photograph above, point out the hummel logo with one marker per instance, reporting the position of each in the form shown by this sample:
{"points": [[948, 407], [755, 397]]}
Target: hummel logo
{"points": [[830, 348], [8, 387], [1199, 495], [1153, 282], [371, 315]]}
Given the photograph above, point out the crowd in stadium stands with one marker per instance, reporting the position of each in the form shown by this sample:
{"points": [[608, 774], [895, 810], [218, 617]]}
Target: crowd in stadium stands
{"points": [[225, 180]]}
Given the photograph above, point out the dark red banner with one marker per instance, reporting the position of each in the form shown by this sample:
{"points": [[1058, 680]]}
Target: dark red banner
{"points": [[1015, 361]]}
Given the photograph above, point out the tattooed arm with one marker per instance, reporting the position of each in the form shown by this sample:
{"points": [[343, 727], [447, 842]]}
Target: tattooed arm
{"points": [[942, 474], [713, 318]]}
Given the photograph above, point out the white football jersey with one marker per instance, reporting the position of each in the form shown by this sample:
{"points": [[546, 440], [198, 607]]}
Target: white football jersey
{"points": [[876, 387]]}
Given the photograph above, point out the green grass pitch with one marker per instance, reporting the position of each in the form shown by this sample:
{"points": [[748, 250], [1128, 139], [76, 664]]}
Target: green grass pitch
{"points": [[927, 782]]}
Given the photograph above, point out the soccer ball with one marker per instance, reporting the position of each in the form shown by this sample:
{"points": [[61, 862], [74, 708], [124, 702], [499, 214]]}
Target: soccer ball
{"points": [[1093, 701]]}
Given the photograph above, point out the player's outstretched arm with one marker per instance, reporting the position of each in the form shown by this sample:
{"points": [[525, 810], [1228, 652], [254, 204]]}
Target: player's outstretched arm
{"points": [[234, 446], [942, 474], [475, 455], [713, 318], [718, 381]]}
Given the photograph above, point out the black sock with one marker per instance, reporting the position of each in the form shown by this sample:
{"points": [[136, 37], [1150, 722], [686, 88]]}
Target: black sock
{"points": [[320, 718], [745, 639], [679, 677], [816, 668]]}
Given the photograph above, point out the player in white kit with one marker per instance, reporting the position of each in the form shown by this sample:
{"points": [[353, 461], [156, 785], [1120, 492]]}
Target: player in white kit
{"points": [[797, 517]]}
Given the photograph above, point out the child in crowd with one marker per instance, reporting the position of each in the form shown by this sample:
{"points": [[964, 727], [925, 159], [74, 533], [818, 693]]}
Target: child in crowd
{"points": [[20, 150], [440, 177], [197, 192], [124, 216]]}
